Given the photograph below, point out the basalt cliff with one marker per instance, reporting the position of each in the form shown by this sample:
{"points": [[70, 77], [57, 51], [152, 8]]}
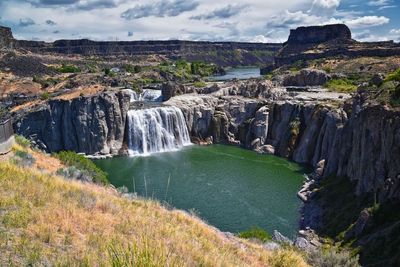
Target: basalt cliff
{"points": [[94, 124], [316, 42]]}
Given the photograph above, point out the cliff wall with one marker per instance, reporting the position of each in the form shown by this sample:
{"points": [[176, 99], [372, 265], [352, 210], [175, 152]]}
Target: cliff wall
{"points": [[7, 41], [314, 42], [319, 34], [91, 125]]}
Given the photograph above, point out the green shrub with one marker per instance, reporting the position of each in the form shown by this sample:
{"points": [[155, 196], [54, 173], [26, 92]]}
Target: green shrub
{"points": [[328, 69], [137, 69], [331, 258], [123, 189], [341, 85], [82, 163], [66, 68], [353, 76], [24, 158], [292, 69], [255, 232], [128, 68], [394, 76], [45, 95], [387, 85], [395, 97], [22, 141], [199, 84]]}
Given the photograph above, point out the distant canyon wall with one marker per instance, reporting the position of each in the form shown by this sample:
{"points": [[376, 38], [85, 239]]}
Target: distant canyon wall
{"points": [[220, 53]]}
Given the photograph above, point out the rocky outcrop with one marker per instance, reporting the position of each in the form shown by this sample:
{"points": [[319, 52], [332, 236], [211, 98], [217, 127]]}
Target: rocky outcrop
{"points": [[91, 125], [221, 120], [307, 77], [319, 34], [314, 42], [24, 66], [7, 41], [170, 89]]}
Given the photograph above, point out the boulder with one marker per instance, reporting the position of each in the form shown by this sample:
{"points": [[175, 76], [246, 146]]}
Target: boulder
{"points": [[278, 237], [377, 79], [170, 89], [266, 149], [362, 224], [307, 77]]}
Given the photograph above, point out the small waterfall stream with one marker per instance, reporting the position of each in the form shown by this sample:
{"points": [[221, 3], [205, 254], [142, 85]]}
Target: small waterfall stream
{"points": [[132, 93], [156, 129], [151, 95]]}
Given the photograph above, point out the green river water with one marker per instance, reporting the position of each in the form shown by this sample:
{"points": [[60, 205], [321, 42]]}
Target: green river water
{"points": [[228, 187]]}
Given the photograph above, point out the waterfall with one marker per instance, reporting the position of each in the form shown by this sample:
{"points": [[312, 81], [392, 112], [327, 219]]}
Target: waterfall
{"points": [[132, 93], [151, 95], [156, 130]]}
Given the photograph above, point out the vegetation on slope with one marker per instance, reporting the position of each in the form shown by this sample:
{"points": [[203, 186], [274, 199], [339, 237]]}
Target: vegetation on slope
{"points": [[351, 221], [388, 93], [79, 163], [47, 220], [344, 85]]}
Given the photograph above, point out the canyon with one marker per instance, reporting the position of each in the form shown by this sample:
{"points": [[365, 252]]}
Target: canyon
{"points": [[353, 134], [358, 140]]}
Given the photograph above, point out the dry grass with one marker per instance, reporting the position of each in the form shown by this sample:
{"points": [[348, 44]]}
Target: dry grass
{"points": [[86, 91], [43, 161], [47, 220]]}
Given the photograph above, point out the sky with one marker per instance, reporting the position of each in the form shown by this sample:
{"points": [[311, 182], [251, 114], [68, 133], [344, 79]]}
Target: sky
{"points": [[205, 20]]}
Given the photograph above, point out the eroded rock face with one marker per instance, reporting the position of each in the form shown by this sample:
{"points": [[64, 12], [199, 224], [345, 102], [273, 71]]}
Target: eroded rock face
{"points": [[7, 41], [91, 125], [222, 119], [170, 89], [307, 77], [319, 34]]}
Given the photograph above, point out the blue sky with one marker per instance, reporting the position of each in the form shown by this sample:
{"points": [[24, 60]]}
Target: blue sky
{"points": [[223, 20]]}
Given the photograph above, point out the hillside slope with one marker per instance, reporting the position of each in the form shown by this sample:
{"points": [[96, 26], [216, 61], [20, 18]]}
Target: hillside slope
{"points": [[48, 220]]}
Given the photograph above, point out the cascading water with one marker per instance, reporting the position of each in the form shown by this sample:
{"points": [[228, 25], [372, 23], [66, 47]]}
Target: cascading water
{"points": [[151, 95], [156, 130], [132, 93]]}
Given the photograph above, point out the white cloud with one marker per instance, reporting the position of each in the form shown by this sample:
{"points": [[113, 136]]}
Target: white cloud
{"points": [[395, 31], [378, 2], [367, 21], [386, 7], [223, 20], [324, 7]]}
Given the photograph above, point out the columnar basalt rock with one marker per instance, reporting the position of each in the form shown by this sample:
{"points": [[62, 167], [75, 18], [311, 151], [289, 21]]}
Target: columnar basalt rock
{"points": [[91, 125]]}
